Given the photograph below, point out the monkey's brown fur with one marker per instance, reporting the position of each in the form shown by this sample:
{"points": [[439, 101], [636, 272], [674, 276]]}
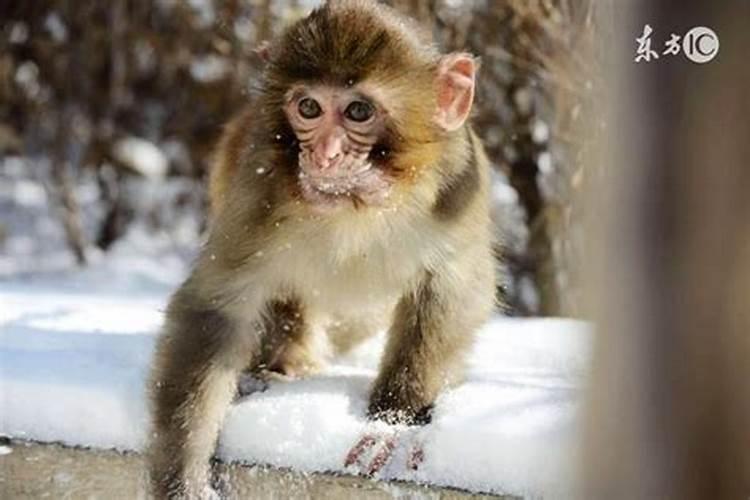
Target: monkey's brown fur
{"points": [[273, 274]]}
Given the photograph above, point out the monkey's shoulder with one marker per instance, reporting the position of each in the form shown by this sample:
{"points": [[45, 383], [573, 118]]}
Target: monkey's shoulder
{"points": [[464, 181], [232, 150]]}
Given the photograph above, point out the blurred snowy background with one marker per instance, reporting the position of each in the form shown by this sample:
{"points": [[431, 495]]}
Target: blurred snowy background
{"points": [[109, 111]]}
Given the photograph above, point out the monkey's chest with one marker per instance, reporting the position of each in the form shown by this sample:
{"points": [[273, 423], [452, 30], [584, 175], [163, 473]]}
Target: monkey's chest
{"points": [[357, 264], [368, 280], [333, 282]]}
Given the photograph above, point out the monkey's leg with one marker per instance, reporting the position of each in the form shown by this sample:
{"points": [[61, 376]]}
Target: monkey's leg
{"points": [[346, 333], [432, 330], [298, 359], [198, 359], [288, 349]]}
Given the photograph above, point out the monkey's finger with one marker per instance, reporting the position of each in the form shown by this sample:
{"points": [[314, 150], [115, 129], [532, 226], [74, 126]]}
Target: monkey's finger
{"points": [[248, 384], [416, 457], [382, 456], [359, 449]]}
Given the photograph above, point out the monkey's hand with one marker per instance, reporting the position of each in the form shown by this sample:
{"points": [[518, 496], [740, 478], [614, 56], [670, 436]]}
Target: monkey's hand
{"points": [[376, 449], [250, 383]]}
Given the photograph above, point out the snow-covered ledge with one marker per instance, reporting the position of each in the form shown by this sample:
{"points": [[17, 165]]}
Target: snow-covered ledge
{"points": [[74, 355], [35, 470]]}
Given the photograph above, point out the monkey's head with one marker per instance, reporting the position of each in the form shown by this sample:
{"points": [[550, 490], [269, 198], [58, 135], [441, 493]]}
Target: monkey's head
{"points": [[361, 103]]}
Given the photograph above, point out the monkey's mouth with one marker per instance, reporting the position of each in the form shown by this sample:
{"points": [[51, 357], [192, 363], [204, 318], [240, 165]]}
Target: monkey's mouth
{"points": [[365, 186]]}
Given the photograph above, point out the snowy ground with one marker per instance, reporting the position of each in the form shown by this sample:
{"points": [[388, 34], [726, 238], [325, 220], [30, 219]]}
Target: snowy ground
{"points": [[75, 346], [74, 350]]}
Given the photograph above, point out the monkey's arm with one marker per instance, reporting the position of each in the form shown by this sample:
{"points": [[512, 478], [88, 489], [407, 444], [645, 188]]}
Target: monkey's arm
{"points": [[198, 359], [433, 326], [432, 329], [435, 321]]}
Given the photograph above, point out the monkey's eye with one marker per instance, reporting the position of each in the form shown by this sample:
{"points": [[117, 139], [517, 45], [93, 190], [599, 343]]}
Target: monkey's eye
{"points": [[359, 111], [309, 108]]}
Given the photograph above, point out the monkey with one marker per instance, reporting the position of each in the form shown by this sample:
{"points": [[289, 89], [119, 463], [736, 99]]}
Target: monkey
{"points": [[350, 196]]}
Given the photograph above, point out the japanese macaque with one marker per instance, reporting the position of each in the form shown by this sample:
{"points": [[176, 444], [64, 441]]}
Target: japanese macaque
{"points": [[351, 196]]}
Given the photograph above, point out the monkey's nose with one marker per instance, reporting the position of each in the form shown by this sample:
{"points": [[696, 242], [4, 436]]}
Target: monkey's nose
{"points": [[329, 150], [325, 162]]}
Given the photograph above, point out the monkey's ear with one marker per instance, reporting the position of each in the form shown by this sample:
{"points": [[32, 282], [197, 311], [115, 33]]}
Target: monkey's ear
{"points": [[455, 89]]}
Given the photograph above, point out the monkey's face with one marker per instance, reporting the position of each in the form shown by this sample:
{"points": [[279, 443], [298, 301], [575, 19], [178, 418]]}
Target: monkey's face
{"points": [[361, 106], [338, 130]]}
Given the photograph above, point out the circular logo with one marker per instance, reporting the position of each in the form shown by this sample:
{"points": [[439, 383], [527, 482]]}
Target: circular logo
{"points": [[700, 44]]}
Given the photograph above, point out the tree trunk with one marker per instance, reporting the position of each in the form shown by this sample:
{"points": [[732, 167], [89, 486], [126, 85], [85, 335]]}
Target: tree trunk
{"points": [[669, 412]]}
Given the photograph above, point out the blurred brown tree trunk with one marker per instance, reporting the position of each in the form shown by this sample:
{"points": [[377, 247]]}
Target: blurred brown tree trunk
{"points": [[670, 404], [524, 176], [63, 187]]}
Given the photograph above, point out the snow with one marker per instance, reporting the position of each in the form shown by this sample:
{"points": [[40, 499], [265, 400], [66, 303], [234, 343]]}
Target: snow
{"points": [[56, 27], [27, 77], [19, 33], [142, 156], [75, 348], [209, 68]]}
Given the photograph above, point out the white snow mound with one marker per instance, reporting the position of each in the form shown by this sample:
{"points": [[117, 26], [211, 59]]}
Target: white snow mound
{"points": [[73, 362]]}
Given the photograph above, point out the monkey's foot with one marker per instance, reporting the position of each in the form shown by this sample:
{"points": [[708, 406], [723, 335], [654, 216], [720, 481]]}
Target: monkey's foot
{"points": [[375, 450], [250, 383], [416, 457], [377, 446], [182, 492]]}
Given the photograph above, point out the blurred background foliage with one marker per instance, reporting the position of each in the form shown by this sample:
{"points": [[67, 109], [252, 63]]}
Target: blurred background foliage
{"points": [[109, 111]]}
